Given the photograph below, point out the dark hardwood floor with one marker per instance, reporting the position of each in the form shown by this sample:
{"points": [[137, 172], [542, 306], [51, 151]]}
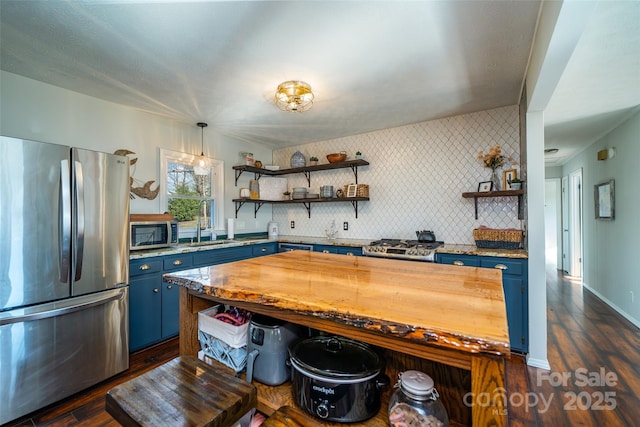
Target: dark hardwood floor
{"points": [[594, 379]]}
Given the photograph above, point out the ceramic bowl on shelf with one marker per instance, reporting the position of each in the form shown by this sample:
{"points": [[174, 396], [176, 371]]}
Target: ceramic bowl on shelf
{"points": [[337, 157], [272, 167]]}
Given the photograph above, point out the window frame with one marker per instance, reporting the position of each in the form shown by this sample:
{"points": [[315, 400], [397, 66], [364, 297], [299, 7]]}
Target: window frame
{"points": [[216, 169]]}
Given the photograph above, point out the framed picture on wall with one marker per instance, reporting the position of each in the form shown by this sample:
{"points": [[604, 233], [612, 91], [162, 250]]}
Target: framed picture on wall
{"points": [[485, 186], [507, 176], [604, 196]]}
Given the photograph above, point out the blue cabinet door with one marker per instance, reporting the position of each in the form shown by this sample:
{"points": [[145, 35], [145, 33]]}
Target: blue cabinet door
{"points": [[170, 310], [514, 285], [514, 282], [327, 249], [144, 306], [350, 250], [264, 249]]}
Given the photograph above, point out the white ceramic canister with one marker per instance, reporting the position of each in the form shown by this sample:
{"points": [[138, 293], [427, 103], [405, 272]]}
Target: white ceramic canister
{"points": [[273, 230]]}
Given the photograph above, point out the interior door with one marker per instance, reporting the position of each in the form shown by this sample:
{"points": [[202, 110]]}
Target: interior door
{"points": [[565, 225], [575, 223]]}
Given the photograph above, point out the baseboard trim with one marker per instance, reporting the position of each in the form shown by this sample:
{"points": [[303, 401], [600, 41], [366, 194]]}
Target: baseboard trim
{"points": [[538, 363], [618, 310]]}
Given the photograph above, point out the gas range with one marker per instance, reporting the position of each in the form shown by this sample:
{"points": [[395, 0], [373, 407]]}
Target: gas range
{"points": [[412, 250]]}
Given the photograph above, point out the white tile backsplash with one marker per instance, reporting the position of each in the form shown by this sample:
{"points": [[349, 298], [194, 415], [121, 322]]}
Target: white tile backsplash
{"points": [[416, 178]]}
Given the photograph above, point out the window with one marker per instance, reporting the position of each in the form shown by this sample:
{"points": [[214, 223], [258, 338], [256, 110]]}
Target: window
{"points": [[192, 194]]}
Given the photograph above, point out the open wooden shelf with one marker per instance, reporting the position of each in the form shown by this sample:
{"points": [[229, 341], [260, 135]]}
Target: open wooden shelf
{"points": [[306, 202], [475, 195], [306, 170]]}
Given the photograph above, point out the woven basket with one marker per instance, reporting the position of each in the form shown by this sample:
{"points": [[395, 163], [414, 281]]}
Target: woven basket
{"points": [[362, 190], [496, 238]]}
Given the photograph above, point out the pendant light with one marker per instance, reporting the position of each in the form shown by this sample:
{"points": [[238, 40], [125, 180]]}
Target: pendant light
{"points": [[202, 166]]}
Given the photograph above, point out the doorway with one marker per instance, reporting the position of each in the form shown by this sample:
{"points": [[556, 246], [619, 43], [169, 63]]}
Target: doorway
{"points": [[574, 199], [552, 223]]}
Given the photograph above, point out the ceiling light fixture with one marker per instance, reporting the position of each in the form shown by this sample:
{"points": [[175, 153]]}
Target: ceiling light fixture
{"points": [[551, 151], [294, 96], [202, 167]]}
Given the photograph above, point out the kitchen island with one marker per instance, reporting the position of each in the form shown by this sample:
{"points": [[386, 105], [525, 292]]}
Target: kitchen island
{"points": [[446, 321]]}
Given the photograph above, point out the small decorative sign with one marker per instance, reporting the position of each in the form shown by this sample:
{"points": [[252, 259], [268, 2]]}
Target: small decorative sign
{"points": [[485, 186], [507, 176]]}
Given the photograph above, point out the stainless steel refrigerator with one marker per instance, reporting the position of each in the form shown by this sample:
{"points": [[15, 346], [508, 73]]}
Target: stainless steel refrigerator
{"points": [[64, 272]]}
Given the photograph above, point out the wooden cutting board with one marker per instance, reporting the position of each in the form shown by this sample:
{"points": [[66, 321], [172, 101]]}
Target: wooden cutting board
{"points": [[151, 217]]}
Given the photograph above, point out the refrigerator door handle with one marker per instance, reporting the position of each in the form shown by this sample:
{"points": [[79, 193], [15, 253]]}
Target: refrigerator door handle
{"points": [[64, 227], [79, 191], [55, 310]]}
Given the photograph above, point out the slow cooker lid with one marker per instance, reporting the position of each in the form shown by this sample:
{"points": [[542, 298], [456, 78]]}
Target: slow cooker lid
{"points": [[336, 357]]}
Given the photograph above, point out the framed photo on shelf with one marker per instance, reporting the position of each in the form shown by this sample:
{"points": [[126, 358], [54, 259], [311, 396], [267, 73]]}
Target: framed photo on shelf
{"points": [[352, 190], [604, 196], [507, 176], [485, 186]]}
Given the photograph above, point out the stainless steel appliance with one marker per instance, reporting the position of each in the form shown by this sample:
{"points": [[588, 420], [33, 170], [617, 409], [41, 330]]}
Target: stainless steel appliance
{"points": [[413, 250], [287, 247], [267, 349], [64, 270], [336, 378], [152, 234]]}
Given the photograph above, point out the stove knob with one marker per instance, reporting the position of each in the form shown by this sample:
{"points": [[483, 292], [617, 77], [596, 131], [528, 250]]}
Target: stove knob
{"points": [[322, 411]]}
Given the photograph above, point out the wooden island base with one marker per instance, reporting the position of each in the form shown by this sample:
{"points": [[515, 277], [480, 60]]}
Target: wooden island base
{"points": [[452, 382], [445, 321]]}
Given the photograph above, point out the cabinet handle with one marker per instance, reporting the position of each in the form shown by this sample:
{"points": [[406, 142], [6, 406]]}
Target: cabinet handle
{"points": [[326, 251], [177, 262], [156, 290], [264, 249], [169, 286], [457, 262], [501, 267], [144, 267]]}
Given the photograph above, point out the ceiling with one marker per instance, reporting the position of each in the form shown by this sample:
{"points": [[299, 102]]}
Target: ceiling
{"points": [[372, 65]]}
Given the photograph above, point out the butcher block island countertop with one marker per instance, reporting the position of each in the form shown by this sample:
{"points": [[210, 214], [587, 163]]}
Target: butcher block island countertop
{"points": [[444, 320]]}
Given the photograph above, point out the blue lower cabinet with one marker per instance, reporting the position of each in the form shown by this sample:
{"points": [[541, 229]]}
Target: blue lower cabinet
{"points": [[264, 249], [222, 255], [154, 306], [327, 249], [145, 302], [515, 286]]}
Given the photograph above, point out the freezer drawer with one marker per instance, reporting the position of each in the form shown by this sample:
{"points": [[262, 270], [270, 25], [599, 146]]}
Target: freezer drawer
{"points": [[51, 351]]}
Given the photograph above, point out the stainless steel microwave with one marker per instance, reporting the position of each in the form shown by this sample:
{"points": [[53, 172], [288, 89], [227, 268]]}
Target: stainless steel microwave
{"points": [[152, 234]]}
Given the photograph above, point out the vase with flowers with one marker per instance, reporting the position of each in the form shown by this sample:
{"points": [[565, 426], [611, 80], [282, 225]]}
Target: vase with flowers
{"points": [[494, 160]]}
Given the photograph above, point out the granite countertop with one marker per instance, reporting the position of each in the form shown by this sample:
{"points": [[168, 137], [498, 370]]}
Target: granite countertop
{"points": [[449, 248]]}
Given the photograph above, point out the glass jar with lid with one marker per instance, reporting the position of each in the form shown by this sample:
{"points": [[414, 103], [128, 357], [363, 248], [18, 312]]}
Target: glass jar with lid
{"points": [[254, 189], [416, 402]]}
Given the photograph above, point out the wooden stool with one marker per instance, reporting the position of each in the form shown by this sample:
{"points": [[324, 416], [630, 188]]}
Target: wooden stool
{"points": [[183, 392], [288, 416]]}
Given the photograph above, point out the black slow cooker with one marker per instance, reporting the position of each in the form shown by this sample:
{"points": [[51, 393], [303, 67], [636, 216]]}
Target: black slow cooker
{"points": [[337, 379]]}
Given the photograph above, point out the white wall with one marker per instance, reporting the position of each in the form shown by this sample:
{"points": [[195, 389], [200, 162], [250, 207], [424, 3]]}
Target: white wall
{"points": [[611, 267], [416, 178], [38, 111]]}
